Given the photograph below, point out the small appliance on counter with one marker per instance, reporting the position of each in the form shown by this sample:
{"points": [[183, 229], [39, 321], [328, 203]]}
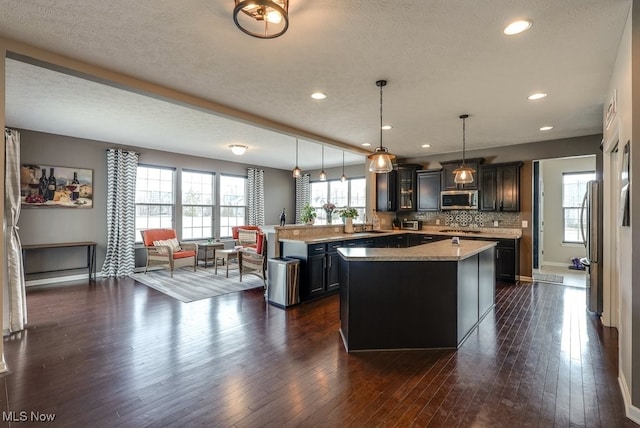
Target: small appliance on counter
{"points": [[411, 225]]}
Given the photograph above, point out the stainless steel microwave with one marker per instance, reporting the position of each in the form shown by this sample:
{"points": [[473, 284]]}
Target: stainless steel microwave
{"points": [[459, 200]]}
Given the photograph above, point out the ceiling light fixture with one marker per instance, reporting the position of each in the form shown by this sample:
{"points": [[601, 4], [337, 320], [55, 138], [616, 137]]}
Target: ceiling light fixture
{"points": [[464, 174], [366, 144], [238, 149], [318, 96], [323, 175], [387, 127], [344, 177], [518, 27], [297, 172], [381, 158], [546, 128], [264, 19], [426, 146], [537, 96]]}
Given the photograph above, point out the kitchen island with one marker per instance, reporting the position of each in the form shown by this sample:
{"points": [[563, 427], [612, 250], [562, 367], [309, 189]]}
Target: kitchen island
{"points": [[428, 296]]}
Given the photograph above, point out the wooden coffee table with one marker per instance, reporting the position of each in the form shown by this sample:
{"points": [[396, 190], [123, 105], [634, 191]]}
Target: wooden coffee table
{"points": [[208, 252], [226, 256]]}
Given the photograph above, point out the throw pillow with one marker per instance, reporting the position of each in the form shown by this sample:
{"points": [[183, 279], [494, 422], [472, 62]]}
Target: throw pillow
{"points": [[173, 243], [246, 236]]}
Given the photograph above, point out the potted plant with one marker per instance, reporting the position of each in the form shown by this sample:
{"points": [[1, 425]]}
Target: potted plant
{"points": [[308, 214], [348, 214]]}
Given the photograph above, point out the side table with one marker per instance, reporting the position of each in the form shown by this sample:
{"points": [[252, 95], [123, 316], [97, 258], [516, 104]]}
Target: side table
{"points": [[226, 256], [208, 252]]}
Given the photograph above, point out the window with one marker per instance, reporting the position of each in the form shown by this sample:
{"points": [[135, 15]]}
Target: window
{"points": [[154, 199], [233, 203], [351, 193], [574, 186], [197, 205]]}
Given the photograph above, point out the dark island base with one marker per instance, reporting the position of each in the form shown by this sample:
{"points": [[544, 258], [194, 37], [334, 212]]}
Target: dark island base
{"points": [[414, 304]]}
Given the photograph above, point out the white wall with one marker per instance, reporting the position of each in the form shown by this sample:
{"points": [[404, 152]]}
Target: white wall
{"points": [[622, 261], [555, 251]]}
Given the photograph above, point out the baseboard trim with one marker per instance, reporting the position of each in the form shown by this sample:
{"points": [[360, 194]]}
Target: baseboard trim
{"points": [[58, 279], [630, 410], [525, 278]]}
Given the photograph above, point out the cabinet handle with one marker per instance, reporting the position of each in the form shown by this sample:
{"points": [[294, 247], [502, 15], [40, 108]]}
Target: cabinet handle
{"points": [[329, 261], [324, 263], [497, 253], [494, 204]]}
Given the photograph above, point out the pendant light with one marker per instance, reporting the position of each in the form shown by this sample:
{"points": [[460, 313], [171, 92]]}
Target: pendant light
{"points": [[264, 19], [323, 175], [381, 158], [464, 174], [297, 172], [344, 177]]}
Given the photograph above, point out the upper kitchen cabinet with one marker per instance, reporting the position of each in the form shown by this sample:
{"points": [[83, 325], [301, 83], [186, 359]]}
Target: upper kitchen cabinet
{"points": [[396, 190], [407, 186], [386, 185], [448, 174], [500, 187], [428, 190]]}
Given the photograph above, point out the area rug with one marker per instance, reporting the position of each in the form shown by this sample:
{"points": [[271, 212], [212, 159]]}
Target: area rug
{"points": [[188, 286], [548, 277]]}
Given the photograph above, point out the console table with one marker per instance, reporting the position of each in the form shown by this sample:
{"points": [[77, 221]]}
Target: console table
{"points": [[91, 254]]}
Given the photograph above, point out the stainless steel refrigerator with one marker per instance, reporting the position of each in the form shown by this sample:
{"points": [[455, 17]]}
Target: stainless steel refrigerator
{"points": [[591, 221]]}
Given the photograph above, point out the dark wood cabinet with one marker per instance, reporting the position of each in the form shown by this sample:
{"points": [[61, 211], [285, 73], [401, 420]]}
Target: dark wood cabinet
{"points": [[393, 241], [428, 188], [447, 174], [396, 190], [420, 238], [508, 260], [500, 187], [319, 267], [386, 185]]}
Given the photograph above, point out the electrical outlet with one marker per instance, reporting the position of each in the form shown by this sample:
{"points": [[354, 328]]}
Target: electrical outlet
{"points": [[336, 229], [525, 224], [437, 221], [495, 223], [296, 232]]}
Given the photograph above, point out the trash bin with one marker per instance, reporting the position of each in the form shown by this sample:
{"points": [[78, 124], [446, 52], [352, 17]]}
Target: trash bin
{"points": [[283, 281]]}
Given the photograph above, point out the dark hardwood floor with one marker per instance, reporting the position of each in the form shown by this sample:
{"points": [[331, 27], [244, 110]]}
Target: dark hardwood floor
{"points": [[118, 353]]}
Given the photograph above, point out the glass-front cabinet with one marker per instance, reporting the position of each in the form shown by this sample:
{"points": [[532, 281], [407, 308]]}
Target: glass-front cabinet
{"points": [[407, 186]]}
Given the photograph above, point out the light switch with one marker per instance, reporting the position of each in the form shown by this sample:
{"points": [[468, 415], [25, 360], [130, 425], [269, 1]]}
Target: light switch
{"points": [[495, 223], [525, 223], [437, 221], [296, 232]]}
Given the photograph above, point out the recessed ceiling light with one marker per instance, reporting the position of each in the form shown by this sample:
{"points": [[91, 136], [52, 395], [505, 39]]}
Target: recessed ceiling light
{"points": [[387, 127], [537, 96], [426, 146], [366, 144], [318, 96], [546, 128], [517, 27]]}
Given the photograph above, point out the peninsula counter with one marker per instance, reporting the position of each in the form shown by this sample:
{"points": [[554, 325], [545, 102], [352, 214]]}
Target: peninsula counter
{"points": [[428, 296]]}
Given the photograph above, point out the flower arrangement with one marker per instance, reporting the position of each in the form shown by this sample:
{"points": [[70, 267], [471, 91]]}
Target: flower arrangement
{"points": [[348, 212], [329, 208], [308, 214]]}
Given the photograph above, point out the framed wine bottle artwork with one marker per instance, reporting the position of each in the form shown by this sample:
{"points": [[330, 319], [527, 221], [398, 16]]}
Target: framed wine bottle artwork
{"points": [[56, 186]]}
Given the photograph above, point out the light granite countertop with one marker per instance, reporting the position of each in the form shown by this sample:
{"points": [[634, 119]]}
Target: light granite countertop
{"points": [[435, 251], [489, 233]]}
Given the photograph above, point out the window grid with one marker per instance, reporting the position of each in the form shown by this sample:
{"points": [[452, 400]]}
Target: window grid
{"points": [[351, 193], [155, 203], [197, 205], [233, 203], [574, 187]]}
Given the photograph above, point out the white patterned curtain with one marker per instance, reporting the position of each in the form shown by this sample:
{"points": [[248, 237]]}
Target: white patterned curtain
{"points": [[122, 168], [255, 196], [15, 272], [303, 196]]}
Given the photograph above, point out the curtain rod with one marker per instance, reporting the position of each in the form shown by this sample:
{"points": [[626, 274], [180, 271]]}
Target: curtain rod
{"points": [[129, 151]]}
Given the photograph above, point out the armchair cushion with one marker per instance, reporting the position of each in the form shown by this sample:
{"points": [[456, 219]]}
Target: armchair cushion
{"points": [[172, 243]]}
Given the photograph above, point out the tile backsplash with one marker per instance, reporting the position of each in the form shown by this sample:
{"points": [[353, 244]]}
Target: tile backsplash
{"points": [[464, 218]]}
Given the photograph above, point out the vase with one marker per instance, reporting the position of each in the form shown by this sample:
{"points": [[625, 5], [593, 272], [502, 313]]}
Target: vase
{"points": [[329, 218], [348, 225], [310, 222]]}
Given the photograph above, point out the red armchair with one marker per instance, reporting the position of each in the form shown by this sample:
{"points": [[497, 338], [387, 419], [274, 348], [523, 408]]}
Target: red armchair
{"points": [[163, 249]]}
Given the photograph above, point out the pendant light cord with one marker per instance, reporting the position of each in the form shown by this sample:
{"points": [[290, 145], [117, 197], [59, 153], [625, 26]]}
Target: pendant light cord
{"points": [[381, 116], [464, 137]]}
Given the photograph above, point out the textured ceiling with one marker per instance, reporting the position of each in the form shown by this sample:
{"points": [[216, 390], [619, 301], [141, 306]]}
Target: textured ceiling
{"points": [[441, 59]]}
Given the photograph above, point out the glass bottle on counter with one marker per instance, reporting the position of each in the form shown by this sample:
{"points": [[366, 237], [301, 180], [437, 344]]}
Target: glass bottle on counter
{"points": [[375, 221]]}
